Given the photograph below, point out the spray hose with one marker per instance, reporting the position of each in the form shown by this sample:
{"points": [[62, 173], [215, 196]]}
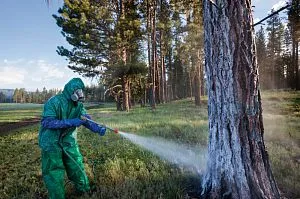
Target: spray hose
{"points": [[60, 141]]}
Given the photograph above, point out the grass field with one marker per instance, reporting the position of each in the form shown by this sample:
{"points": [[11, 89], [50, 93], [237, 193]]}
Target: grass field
{"points": [[12, 112], [119, 169]]}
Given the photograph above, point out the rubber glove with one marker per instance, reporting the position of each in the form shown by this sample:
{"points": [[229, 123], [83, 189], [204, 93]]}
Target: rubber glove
{"points": [[53, 123], [96, 128], [87, 116]]}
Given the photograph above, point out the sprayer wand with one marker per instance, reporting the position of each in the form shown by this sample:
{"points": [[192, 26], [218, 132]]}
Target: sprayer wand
{"points": [[107, 127]]}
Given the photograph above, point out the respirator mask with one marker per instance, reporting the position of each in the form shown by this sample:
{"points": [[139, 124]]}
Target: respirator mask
{"points": [[78, 96]]}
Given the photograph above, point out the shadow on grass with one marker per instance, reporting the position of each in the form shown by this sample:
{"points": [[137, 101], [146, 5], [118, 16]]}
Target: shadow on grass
{"points": [[8, 127], [168, 187]]}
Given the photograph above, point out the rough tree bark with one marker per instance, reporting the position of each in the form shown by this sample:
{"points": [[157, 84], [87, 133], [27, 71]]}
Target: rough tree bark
{"points": [[238, 163]]}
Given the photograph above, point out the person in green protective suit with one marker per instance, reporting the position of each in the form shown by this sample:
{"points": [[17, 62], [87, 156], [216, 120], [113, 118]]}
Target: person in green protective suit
{"points": [[57, 139]]}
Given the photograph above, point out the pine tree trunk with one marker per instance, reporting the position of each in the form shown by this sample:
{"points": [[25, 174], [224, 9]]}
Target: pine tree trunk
{"points": [[197, 86], [238, 163], [171, 75], [149, 40], [129, 96], [154, 57], [297, 65], [162, 71], [190, 85], [125, 93], [163, 80]]}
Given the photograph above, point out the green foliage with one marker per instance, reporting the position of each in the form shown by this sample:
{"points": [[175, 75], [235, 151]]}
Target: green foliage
{"points": [[20, 165], [277, 56], [275, 31], [97, 39], [274, 71], [23, 96], [94, 93], [11, 112], [2, 97], [294, 18], [105, 38], [261, 51], [85, 25]]}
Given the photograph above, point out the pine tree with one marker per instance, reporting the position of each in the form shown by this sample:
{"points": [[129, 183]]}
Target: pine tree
{"points": [[286, 59], [2, 97], [16, 95], [106, 40], [85, 25], [275, 32], [294, 23], [238, 164], [194, 43], [265, 76]]}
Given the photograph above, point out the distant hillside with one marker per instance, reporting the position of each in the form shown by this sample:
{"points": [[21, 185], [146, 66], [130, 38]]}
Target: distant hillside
{"points": [[8, 93]]}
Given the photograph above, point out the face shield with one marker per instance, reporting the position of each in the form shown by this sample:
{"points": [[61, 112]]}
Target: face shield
{"points": [[78, 96]]}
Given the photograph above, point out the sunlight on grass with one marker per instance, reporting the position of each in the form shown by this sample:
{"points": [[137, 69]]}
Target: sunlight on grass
{"points": [[282, 127], [18, 112], [118, 168]]}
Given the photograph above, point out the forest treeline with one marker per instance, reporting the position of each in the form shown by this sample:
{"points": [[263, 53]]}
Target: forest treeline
{"points": [[145, 51], [277, 48], [21, 95], [152, 51]]}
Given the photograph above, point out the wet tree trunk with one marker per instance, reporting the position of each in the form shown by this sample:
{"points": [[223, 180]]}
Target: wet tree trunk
{"points": [[238, 163]]}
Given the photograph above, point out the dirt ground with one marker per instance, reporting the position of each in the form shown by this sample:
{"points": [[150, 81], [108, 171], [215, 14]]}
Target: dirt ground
{"points": [[6, 128]]}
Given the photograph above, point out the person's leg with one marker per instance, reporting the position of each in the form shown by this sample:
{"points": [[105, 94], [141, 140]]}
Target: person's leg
{"points": [[75, 169], [53, 174]]}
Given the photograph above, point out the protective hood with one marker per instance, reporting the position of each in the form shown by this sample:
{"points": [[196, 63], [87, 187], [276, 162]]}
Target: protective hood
{"points": [[71, 86]]}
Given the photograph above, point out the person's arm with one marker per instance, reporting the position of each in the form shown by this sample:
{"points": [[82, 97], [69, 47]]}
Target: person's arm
{"points": [[50, 114], [53, 123], [94, 127]]}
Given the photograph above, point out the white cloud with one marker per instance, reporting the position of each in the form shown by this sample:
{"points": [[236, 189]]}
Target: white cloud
{"points": [[36, 79], [33, 74], [10, 75], [11, 62], [279, 5], [256, 20], [50, 71], [254, 2]]}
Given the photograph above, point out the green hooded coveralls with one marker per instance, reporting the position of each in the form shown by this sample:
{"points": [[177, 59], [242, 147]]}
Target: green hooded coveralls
{"points": [[59, 147]]}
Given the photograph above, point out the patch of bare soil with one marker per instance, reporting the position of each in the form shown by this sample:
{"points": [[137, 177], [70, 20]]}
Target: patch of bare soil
{"points": [[6, 128]]}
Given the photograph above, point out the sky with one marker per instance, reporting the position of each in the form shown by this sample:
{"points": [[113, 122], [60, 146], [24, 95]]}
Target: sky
{"points": [[29, 38]]}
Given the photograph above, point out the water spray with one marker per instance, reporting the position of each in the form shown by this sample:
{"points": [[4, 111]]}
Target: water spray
{"points": [[192, 158]]}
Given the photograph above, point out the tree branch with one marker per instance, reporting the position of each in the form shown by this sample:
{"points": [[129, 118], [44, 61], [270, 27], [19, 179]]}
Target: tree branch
{"points": [[273, 13]]}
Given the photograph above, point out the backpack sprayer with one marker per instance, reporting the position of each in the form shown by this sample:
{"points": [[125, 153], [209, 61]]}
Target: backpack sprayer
{"points": [[107, 127]]}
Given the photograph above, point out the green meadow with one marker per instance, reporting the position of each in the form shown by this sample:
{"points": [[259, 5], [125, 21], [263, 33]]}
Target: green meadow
{"points": [[118, 168]]}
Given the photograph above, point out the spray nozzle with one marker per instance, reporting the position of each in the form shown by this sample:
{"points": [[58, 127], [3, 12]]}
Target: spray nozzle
{"points": [[116, 130]]}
